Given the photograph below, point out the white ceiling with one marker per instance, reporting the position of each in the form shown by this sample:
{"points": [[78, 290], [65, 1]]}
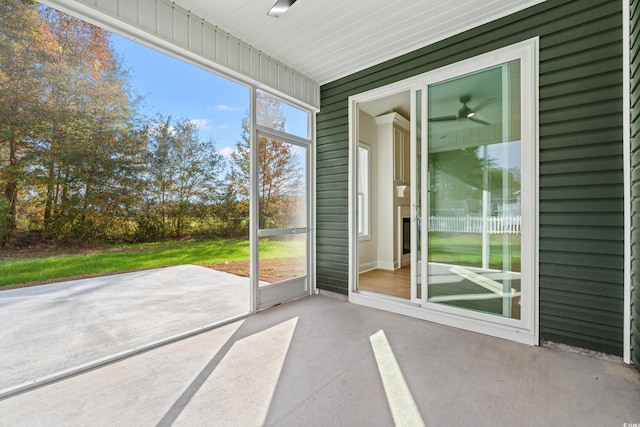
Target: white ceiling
{"points": [[329, 39]]}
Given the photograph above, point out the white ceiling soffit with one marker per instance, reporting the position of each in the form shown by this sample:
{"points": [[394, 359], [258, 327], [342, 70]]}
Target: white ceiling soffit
{"points": [[314, 42], [165, 25], [329, 39]]}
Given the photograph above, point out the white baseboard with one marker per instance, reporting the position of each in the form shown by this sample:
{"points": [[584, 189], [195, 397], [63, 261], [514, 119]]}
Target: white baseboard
{"points": [[368, 266], [375, 265], [386, 265]]}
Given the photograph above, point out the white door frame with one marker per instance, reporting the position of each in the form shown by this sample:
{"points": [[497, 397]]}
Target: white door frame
{"points": [[525, 330], [275, 293]]}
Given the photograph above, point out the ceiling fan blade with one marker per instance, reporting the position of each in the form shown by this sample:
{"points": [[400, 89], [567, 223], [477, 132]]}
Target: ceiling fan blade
{"points": [[473, 119], [483, 104], [443, 118]]}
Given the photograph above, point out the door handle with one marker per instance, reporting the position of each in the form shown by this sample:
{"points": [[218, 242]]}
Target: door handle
{"points": [[416, 213]]}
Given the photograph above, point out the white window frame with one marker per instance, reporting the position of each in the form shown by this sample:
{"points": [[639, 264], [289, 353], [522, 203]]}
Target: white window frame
{"points": [[364, 193]]}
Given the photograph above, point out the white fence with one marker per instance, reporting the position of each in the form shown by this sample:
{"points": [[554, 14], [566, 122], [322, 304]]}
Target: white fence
{"points": [[473, 224]]}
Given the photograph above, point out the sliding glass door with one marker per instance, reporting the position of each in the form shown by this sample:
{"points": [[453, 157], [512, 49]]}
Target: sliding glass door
{"points": [[467, 202], [474, 185]]}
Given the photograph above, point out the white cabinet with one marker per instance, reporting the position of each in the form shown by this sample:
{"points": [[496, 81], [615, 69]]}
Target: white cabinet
{"points": [[393, 133], [397, 154], [401, 152]]}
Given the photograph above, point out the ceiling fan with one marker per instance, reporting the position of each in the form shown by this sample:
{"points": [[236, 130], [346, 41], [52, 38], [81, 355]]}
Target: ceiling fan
{"points": [[465, 112]]}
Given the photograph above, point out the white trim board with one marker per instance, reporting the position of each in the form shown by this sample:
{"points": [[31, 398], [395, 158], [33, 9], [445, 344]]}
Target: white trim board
{"points": [[626, 155]]}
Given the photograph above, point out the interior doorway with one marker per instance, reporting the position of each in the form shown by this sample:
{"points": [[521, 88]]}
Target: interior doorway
{"points": [[384, 182]]}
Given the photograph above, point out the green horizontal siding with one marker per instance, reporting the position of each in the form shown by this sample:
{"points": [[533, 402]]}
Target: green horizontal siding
{"points": [[635, 181], [581, 178]]}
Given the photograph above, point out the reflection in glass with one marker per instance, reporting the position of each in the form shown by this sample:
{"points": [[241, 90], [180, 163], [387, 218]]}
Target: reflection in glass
{"points": [[281, 116], [281, 184], [474, 191], [282, 258]]}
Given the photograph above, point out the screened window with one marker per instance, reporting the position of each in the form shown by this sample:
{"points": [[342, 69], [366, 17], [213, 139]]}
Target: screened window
{"points": [[276, 114]]}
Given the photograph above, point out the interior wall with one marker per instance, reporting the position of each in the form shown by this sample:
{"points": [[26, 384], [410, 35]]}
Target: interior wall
{"points": [[368, 249], [581, 195]]}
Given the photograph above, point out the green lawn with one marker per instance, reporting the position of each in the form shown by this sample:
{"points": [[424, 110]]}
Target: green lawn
{"points": [[466, 249], [140, 256]]}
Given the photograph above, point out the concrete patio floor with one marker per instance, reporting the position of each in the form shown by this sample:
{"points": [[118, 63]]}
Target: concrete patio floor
{"points": [[56, 327], [319, 361]]}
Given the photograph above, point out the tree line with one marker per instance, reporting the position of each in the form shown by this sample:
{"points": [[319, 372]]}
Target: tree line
{"points": [[79, 161]]}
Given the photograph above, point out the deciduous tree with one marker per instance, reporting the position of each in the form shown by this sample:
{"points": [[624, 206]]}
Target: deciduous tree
{"points": [[70, 118], [25, 46], [279, 171], [183, 170]]}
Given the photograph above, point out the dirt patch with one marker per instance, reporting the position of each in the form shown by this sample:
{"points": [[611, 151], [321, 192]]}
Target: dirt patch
{"points": [[271, 270]]}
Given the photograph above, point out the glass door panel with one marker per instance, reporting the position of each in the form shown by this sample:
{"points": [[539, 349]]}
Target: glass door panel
{"points": [[282, 257], [418, 261], [474, 187], [282, 219]]}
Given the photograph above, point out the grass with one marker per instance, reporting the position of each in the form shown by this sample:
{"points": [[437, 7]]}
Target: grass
{"points": [[456, 249], [466, 249], [130, 257]]}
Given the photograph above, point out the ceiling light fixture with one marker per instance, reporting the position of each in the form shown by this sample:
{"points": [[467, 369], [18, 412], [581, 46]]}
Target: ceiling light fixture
{"points": [[280, 7], [465, 112]]}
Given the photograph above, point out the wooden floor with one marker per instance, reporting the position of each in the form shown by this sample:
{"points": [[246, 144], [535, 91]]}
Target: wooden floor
{"points": [[396, 283]]}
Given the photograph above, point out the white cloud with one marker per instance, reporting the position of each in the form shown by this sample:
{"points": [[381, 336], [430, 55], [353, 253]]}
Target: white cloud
{"points": [[224, 107], [203, 124], [223, 127], [227, 151]]}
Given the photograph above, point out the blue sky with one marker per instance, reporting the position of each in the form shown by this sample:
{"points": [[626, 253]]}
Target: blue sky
{"points": [[176, 88], [182, 90]]}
